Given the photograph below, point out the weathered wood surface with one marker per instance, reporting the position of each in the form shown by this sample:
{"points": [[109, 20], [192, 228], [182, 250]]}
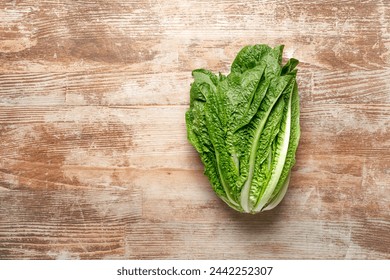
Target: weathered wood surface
{"points": [[94, 161]]}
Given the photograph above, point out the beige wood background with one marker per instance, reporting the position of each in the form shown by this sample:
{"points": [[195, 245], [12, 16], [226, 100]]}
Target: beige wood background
{"points": [[94, 161]]}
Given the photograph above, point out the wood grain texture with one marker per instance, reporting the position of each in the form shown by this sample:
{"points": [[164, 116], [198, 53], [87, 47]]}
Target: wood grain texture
{"points": [[94, 160]]}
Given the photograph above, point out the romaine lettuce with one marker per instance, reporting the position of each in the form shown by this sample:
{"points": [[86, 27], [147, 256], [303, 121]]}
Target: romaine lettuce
{"points": [[245, 127]]}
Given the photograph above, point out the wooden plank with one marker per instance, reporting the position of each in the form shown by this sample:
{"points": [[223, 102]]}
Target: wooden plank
{"points": [[126, 88], [164, 35], [265, 237]]}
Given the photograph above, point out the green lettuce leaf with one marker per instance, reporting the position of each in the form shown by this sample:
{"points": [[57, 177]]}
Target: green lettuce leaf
{"points": [[245, 127]]}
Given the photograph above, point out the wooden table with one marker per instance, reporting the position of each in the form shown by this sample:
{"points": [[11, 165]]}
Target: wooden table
{"points": [[94, 160]]}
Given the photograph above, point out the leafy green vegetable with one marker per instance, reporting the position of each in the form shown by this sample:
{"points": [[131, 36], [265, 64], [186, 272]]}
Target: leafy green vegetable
{"points": [[245, 127]]}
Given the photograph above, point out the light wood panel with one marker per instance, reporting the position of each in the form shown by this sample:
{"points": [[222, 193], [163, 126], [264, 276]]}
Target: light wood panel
{"points": [[94, 160]]}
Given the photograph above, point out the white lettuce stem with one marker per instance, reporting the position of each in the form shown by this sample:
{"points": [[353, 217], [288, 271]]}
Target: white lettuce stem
{"points": [[279, 196], [255, 144], [224, 183], [277, 171]]}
